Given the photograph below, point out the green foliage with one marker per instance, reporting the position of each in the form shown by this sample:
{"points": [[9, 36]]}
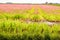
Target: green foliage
{"points": [[16, 30]]}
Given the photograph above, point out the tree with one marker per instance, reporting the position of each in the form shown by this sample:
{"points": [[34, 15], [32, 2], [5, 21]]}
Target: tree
{"points": [[8, 2], [46, 3]]}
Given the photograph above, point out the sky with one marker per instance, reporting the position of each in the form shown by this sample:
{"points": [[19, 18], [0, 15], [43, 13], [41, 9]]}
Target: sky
{"points": [[30, 1]]}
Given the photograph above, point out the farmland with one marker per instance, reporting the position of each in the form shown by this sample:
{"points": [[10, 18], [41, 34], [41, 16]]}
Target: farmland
{"points": [[29, 22]]}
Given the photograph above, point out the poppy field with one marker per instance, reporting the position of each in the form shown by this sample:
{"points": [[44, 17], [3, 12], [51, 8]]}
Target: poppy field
{"points": [[29, 22]]}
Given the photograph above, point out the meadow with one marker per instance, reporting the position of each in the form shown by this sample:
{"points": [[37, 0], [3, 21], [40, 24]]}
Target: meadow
{"points": [[29, 22]]}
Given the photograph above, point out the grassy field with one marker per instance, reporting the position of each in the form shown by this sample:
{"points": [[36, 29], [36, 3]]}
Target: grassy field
{"points": [[29, 23]]}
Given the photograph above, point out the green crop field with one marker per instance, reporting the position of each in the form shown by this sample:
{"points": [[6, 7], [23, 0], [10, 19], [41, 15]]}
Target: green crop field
{"points": [[30, 24]]}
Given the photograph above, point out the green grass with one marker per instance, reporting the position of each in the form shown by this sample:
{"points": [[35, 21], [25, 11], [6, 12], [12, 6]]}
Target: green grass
{"points": [[12, 28], [30, 15], [50, 16], [36, 31]]}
